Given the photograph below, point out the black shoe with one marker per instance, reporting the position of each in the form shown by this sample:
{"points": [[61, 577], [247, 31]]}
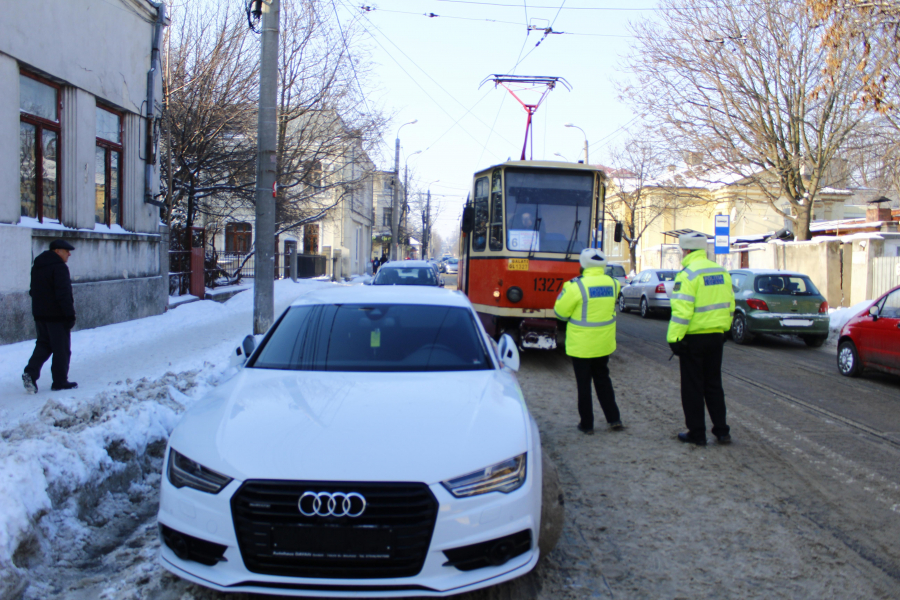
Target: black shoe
{"points": [[30, 385], [69, 385], [586, 430], [687, 439], [723, 439], [616, 426]]}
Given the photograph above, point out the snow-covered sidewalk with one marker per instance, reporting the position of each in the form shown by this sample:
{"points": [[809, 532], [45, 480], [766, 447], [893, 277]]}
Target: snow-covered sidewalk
{"points": [[134, 380]]}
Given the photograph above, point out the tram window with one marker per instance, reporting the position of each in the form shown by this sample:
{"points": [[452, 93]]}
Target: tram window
{"points": [[496, 212], [548, 211], [479, 234]]}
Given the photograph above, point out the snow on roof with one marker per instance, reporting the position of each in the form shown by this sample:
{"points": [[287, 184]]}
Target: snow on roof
{"points": [[703, 176], [859, 223]]}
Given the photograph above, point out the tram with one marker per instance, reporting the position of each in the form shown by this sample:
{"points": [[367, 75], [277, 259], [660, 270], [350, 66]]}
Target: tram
{"points": [[523, 228]]}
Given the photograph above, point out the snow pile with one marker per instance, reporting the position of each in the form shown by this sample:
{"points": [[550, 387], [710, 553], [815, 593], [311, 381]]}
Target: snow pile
{"points": [[839, 317], [70, 461]]}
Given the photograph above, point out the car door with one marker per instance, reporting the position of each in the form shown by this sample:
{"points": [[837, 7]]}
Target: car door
{"points": [[885, 333], [634, 290]]}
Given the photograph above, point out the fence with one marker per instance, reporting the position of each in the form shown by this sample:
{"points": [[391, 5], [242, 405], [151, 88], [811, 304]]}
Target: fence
{"points": [[885, 274], [234, 266]]}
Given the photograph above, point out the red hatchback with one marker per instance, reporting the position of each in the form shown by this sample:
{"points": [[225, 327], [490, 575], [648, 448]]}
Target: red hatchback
{"points": [[872, 339]]}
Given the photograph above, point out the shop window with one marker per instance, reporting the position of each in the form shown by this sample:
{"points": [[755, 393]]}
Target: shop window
{"points": [[108, 168], [39, 135]]}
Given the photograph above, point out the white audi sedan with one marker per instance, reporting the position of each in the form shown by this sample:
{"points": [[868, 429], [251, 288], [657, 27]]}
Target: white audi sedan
{"points": [[375, 443]]}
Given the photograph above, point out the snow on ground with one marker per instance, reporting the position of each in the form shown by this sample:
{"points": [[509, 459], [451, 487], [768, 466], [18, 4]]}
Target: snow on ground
{"points": [[71, 462], [839, 317]]}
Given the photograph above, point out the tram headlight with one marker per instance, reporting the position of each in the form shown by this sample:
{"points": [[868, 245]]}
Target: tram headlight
{"points": [[514, 294]]}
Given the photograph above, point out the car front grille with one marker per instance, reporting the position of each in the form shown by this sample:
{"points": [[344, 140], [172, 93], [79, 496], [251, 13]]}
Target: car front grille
{"points": [[390, 538]]}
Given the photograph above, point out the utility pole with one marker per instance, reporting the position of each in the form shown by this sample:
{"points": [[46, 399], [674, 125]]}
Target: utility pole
{"points": [[264, 279], [427, 229], [395, 201]]}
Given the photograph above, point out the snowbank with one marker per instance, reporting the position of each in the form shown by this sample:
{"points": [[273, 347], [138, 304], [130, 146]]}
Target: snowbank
{"points": [[839, 317], [63, 454]]}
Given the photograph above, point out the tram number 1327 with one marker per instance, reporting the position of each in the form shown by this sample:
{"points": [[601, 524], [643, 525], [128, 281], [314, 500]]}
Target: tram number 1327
{"points": [[548, 284]]}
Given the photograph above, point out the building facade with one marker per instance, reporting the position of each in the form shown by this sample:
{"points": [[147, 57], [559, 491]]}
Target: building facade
{"points": [[75, 162]]}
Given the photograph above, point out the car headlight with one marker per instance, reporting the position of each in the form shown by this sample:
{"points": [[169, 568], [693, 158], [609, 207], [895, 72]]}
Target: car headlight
{"points": [[505, 477], [184, 472]]}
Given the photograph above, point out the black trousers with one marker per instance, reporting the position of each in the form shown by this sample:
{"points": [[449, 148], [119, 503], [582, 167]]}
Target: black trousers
{"points": [[52, 338], [596, 370], [701, 384]]}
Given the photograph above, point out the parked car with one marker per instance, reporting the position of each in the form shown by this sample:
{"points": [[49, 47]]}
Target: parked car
{"points": [[648, 291], [780, 302], [617, 271], [451, 266], [409, 272], [374, 442], [871, 339]]}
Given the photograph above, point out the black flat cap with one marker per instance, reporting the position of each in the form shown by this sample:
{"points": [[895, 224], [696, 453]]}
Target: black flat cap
{"points": [[61, 245]]}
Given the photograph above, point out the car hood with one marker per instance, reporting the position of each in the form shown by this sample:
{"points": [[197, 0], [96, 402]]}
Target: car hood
{"points": [[335, 426]]}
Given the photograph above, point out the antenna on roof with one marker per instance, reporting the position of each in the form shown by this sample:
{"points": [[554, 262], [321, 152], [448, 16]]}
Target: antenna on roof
{"points": [[517, 84]]}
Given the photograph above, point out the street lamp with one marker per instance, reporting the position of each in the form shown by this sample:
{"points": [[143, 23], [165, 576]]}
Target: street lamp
{"points": [[586, 159], [395, 214], [561, 156]]}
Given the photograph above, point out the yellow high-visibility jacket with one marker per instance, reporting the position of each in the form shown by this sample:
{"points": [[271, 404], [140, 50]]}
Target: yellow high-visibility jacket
{"points": [[702, 298], [588, 305]]}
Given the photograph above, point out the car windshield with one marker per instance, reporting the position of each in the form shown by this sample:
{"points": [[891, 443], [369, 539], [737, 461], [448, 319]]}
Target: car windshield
{"points": [[788, 285], [615, 270], [548, 211], [379, 337], [406, 276], [666, 275], [452, 261]]}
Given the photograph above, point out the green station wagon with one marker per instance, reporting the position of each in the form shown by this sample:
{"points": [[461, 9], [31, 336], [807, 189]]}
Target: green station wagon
{"points": [[779, 302]]}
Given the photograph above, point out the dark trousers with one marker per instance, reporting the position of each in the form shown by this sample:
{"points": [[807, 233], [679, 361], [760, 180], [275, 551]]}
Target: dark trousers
{"points": [[596, 370], [52, 338], [701, 384]]}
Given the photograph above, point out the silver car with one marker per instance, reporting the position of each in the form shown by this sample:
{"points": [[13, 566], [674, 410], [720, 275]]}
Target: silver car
{"points": [[451, 266], [648, 291]]}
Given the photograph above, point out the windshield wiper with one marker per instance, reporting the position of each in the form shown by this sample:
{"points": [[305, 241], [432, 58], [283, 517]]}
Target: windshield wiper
{"points": [[574, 233], [537, 225]]}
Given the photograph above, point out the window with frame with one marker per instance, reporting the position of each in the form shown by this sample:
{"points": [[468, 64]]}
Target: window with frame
{"points": [[238, 237], [386, 217], [39, 134], [479, 237], [108, 168]]}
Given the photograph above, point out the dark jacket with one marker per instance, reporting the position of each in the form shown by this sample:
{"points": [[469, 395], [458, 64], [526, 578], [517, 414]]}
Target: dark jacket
{"points": [[51, 289]]}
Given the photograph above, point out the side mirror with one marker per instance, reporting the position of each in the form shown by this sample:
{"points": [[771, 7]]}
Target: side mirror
{"points": [[441, 282], [873, 310], [509, 354], [617, 235], [468, 219], [249, 345]]}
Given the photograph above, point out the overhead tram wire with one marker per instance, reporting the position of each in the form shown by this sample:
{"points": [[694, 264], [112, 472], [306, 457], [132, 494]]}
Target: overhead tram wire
{"points": [[452, 97], [350, 57], [597, 8], [413, 79]]}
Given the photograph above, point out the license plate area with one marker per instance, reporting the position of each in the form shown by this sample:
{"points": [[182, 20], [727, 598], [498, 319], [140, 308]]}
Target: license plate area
{"points": [[332, 542], [796, 323]]}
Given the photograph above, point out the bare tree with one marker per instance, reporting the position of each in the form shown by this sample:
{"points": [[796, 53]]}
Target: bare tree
{"points": [[873, 28], [209, 87], [742, 84], [633, 200], [325, 130]]}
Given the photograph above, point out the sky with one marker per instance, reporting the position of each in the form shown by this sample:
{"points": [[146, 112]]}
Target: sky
{"points": [[430, 69]]}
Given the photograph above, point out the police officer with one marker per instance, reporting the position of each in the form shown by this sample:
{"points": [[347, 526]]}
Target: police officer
{"points": [[588, 305], [702, 309]]}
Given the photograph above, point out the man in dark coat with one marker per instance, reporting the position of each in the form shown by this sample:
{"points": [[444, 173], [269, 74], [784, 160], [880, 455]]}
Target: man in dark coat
{"points": [[54, 316]]}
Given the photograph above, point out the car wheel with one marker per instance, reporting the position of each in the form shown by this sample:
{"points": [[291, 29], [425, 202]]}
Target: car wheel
{"points": [[553, 509], [848, 359], [645, 308], [814, 341], [739, 332], [622, 307]]}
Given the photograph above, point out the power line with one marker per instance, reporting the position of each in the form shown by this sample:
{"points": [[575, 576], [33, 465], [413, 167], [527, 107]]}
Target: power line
{"points": [[350, 57], [516, 6]]}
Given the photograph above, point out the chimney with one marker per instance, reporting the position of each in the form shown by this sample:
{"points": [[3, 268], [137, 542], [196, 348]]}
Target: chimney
{"points": [[879, 210]]}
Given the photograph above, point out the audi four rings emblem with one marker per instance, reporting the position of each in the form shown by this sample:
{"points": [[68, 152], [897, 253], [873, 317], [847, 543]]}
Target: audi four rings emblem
{"points": [[331, 504]]}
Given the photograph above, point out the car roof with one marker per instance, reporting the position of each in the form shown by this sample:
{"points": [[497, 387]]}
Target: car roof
{"points": [[406, 264], [768, 272], [385, 294]]}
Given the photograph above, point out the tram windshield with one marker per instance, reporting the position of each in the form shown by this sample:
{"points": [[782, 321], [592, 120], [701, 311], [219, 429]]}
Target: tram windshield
{"points": [[548, 211]]}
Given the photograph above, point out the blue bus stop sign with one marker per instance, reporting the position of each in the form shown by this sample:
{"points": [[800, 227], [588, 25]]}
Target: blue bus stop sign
{"points": [[722, 233]]}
